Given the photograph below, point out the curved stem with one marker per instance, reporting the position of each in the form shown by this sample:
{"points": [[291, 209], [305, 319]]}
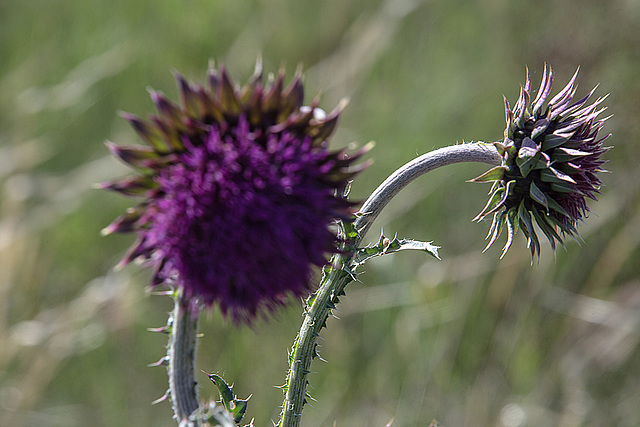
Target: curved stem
{"points": [[340, 274], [477, 152], [181, 354]]}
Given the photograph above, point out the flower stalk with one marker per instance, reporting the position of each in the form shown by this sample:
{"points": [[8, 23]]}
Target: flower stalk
{"points": [[181, 355], [305, 345], [340, 272]]}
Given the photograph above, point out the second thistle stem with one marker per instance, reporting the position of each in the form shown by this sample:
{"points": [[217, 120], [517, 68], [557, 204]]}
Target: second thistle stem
{"points": [[340, 274], [182, 354]]}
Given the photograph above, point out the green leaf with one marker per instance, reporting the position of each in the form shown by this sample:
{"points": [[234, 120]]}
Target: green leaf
{"points": [[237, 407], [348, 229]]}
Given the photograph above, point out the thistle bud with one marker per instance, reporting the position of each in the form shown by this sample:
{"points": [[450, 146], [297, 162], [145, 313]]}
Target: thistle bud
{"points": [[551, 158]]}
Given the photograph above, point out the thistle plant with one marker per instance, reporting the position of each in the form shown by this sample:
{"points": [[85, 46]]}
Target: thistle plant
{"points": [[241, 199]]}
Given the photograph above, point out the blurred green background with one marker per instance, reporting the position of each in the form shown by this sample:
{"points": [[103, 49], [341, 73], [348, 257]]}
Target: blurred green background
{"points": [[469, 340]]}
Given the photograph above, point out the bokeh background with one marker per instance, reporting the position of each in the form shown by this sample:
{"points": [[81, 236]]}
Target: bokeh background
{"points": [[469, 340]]}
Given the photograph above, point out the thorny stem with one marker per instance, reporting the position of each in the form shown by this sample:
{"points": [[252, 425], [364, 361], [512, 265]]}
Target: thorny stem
{"points": [[181, 354], [332, 285]]}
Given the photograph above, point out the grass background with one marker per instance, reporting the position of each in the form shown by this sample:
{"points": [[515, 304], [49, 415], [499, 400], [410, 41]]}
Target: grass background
{"points": [[469, 340]]}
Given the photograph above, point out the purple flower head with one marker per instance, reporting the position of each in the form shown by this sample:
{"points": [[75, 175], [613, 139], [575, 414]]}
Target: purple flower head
{"points": [[551, 157], [239, 191]]}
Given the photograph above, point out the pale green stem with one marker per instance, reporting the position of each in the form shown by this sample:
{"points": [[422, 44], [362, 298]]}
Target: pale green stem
{"points": [[181, 354], [325, 298]]}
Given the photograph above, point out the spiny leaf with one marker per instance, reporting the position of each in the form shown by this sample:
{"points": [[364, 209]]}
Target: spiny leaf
{"points": [[237, 407], [387, 246]]}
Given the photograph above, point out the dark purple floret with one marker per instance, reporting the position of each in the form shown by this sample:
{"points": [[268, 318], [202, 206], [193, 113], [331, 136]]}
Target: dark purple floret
{"points": [[240, 193]]}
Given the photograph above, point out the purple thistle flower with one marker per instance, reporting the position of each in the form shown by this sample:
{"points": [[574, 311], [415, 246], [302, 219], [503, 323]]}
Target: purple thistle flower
{"points": [[239, 191], [551, 157]]}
